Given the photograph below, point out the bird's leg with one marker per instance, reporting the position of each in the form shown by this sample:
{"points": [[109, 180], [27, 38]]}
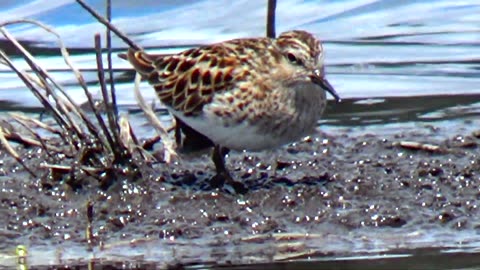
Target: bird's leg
{"points": [[218, 157], [178, 132]]}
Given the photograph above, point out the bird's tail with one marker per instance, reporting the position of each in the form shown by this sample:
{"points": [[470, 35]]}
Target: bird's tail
{"points": [[140, 60]]}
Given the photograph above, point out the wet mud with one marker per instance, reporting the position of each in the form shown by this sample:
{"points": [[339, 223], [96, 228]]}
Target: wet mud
{"points": [[338, 193]]}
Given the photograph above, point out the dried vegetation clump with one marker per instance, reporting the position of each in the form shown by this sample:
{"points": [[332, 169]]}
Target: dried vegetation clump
{"points": [[103, 146]]}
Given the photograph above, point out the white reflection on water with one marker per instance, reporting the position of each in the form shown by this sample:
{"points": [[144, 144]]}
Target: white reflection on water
{"points": [[158, 23]]}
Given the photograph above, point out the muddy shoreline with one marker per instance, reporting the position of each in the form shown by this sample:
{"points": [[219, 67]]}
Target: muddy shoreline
{"points": [[339, 193]]}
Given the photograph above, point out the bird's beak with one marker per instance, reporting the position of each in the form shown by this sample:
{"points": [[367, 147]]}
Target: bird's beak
{"points": [[319, 79]]}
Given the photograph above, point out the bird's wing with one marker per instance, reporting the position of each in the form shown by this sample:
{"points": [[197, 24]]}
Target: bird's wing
{"points": [[187, 81]]}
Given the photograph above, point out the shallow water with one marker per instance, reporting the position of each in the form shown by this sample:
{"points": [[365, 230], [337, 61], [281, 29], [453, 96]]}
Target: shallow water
{"points": [[389, 61], [398, 65]]}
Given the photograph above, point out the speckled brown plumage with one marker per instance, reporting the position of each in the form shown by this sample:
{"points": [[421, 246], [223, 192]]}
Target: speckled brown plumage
{"points": [[187, 81], [253, 93]]}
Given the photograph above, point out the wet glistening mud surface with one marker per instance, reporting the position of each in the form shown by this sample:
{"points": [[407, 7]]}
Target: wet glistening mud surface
{"points": [[343, 192]]}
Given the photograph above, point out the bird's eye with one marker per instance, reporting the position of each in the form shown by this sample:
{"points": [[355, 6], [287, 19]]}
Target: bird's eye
{"points": [[292, 58]]}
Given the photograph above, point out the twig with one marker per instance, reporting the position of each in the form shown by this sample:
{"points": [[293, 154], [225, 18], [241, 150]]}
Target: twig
{"points": [[110, 26], [13, 153], [68, 169], [420, 146], [21, 117], [169, 151], [113, 142], [13, 136], [125, 134], [272, 5], [113, 107], [130, 141], [89, 231], [148, 144], [42, 143]]}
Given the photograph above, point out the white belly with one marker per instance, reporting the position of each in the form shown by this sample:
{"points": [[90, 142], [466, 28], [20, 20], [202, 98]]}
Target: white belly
{"points": [[284, 116], [241, 136]]}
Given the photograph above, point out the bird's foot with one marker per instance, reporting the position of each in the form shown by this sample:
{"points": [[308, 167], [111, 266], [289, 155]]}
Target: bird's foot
{"points": [[223, 177], [224, 180]]}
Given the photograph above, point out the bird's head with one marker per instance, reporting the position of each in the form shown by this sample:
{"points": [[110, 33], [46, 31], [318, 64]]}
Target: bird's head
{"points": [[304, 54]]}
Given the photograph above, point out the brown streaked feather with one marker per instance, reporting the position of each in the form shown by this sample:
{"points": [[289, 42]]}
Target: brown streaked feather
{"points": [[187, 81], [308, 42], [141, 61]]}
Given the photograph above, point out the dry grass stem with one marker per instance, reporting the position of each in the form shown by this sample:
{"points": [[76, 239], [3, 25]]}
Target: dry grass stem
{"points": [[125, 134], [127, 137], [68, 169], [111, 138], [272, 5], [108, 4], [13, 153], [39, 141], [110, 26], [168, 143], [35, 122], [20, 138], [148, 144], [420, 146], [89, 236]]}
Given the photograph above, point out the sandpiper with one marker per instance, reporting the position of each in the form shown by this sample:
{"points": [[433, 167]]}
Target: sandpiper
{"points": [[242, 94]]}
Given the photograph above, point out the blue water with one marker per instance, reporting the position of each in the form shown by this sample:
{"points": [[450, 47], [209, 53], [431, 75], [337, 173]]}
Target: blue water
{"points": [[373, 49]]}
